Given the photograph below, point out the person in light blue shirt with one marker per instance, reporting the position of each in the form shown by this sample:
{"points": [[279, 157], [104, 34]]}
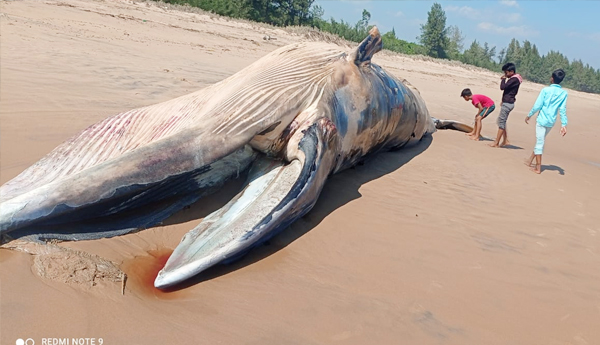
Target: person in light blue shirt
{"points": [[552, 100]]}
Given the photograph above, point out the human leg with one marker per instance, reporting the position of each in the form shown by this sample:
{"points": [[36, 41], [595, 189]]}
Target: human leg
{"points": [[538, 164], [529, 161], [501, 121], [540, 133], [471, 133], [509, 109], [505, 141], [477, 133], [484, 113], [499, 136]]}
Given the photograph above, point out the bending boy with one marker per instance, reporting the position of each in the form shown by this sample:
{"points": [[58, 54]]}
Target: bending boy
{"points": [[484, 106], [552, 99]]}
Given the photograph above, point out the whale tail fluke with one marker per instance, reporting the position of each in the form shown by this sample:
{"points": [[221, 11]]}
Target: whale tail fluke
{"points": [[450, 124]]}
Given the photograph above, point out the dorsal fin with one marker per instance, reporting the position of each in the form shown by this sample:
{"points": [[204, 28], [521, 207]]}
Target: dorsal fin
{"points": [[368, 47]]}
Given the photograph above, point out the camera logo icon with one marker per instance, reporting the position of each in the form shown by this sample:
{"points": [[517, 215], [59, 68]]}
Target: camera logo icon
{"points": [[27, 341]]}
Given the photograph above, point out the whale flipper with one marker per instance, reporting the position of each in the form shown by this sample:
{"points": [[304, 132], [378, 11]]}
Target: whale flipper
{"points": [[275, 195]]}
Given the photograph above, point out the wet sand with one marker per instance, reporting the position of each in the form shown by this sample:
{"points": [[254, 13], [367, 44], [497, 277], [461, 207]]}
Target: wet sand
{"points": [[448, 242]]}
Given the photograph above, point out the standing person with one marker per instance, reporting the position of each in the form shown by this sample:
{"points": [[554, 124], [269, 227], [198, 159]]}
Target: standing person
{"points": [[552, 99], [510, 84], [484, 106]]}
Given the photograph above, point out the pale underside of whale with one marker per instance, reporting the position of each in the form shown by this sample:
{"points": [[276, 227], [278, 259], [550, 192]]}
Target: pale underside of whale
{"points": [[289, 120]]}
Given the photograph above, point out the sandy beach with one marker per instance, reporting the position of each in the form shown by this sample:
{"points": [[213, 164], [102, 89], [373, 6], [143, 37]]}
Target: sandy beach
{"points": [[447, 242]]}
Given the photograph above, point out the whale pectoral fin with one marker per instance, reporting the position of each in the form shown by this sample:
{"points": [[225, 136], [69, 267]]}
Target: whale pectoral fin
{"points": [[454, 125], [275, 195], [368, 47]]}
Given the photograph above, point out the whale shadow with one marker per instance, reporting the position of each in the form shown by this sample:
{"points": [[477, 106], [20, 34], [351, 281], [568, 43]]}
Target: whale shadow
{"points": [[339, 190]]}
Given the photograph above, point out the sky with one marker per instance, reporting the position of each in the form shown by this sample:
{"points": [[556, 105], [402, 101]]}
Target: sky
{"points": [[570, 27]]}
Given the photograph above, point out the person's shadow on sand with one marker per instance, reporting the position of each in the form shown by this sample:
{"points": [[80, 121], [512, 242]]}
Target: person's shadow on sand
{"points": [[512, 147], [560, 170], [339, 190]]}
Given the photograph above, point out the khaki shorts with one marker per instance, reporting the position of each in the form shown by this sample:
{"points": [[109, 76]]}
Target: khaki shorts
{"points": [[504, 112]]}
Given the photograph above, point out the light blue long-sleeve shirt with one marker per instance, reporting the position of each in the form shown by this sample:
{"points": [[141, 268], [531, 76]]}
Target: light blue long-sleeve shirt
{"points": [[552, 99]]}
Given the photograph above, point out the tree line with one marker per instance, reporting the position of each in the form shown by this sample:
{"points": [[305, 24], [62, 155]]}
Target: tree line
{"points": [[436, 39], [446, 42], [274, 12]]}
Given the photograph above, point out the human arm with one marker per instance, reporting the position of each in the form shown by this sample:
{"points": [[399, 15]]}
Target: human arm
{"points": [[563, 131], [538, 104], [562, 110], [512, 82], [479, 109]]}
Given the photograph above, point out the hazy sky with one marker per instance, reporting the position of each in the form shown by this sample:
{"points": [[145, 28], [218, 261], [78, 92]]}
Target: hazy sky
{"points": [[571, 27]]}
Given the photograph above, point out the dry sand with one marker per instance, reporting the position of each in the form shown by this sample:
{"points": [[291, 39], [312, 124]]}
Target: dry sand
{"points": [[450, 242]]}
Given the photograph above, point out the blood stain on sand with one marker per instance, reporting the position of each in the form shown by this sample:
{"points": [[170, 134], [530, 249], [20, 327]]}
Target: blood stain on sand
{"points": [[142, 270]]}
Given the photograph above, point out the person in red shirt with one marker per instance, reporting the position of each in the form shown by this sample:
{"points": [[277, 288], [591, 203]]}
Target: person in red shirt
{"points": [[484, 106]]}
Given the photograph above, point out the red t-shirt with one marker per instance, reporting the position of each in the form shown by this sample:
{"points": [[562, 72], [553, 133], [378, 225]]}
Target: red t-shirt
{"points": [[484, 100]]}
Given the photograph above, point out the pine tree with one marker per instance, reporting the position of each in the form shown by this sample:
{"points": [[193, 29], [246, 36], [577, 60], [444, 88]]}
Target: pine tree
{"points": [[455, 41], [513, 52], [502, 55], [535, 65], [316, 16], [434, 32], [363, 24]]}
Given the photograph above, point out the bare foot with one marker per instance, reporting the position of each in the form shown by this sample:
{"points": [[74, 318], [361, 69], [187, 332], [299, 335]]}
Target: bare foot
{"points": [[505, 143], [493, 145], [536, 170], [527, 162], [476, 138]]}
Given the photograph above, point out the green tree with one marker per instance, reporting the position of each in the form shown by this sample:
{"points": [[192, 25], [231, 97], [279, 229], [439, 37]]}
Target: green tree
{"points": [[482, 56], [316, 15], [363, 24], [391, 42], [455, 40], [434, 33], [501, 55], [474, 54], [576, 76], [489, 53], [513, 53], [230, 8], [534, 65]]}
